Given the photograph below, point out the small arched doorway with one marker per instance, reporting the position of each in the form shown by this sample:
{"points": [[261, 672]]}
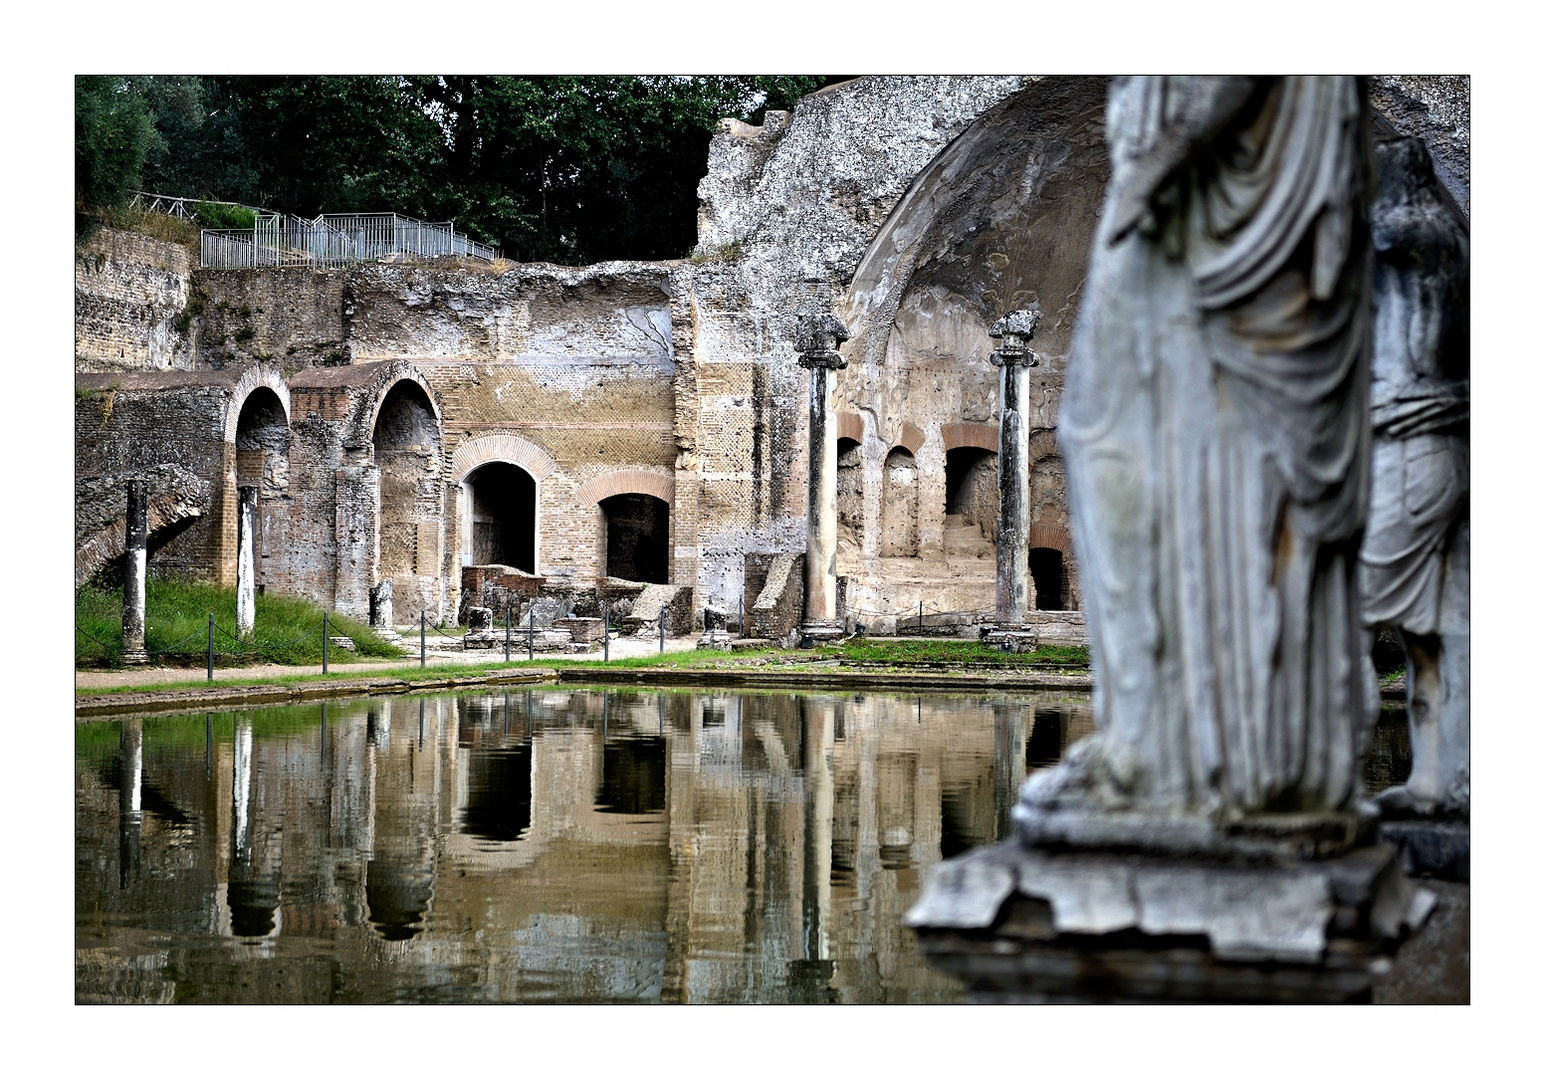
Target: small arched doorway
{"points": [[1050, 580], [971, 490], [635, 536], [502, 502]]}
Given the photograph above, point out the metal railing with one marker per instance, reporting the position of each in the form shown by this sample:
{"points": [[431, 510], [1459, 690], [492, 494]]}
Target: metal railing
{"points": [[180, 206], [333, 240]]}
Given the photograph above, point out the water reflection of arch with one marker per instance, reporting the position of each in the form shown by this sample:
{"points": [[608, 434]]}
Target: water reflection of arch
{"points": [[400, 874]]}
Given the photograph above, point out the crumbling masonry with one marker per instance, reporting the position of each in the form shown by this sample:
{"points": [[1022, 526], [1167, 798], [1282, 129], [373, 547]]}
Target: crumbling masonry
{"points": [[647, 421]]}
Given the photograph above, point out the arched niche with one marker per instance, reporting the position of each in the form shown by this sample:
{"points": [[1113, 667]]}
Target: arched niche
{"points": [[850, 494], [899, 504]]}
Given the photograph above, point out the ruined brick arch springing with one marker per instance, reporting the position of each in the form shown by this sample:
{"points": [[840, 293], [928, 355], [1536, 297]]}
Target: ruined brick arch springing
{"points": [[254, 378], [968, 433], [911, 438], [627, 482], [850, 426], [472, 453]]}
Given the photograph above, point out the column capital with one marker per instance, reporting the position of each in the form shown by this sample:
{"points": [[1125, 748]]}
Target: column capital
{"points": [[1015, 331], [817, 337]]}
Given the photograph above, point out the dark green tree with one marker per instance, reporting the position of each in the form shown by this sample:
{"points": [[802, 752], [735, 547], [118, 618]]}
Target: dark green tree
{"points": [[568, 169], [114, 132]]}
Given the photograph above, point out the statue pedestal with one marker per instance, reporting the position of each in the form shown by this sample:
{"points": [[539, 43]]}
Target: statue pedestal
{"points": [[1436, 846], [1018, 924]]}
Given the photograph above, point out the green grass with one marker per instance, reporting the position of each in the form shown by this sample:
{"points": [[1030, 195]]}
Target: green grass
{"points": [[287, 629]]}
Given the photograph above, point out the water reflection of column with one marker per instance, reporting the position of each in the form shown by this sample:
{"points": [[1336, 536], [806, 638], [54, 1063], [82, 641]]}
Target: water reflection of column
{"points": [[131, 767], [253, 890], [1008, 762], [819, 726]]}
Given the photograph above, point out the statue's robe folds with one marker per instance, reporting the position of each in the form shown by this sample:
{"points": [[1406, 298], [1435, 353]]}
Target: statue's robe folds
{"points": [[1215, 431]]}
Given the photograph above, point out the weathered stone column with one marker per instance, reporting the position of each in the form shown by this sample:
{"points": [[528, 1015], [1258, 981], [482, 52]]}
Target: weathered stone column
{"points": [[246, 563], [1014, 360], [136, 534], [818, 339]]}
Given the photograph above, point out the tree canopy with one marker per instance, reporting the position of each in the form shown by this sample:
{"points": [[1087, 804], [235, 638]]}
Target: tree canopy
{"points": [[566, 169]]}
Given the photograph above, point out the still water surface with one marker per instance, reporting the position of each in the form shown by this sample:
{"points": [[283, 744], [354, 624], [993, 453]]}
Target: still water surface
{"points": [[550, 845]]}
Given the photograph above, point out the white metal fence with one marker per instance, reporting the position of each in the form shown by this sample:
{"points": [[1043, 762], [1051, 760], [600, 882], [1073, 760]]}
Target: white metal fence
{"points": [[332, 240]]}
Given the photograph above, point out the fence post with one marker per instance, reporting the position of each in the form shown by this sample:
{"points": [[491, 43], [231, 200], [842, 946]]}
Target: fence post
{"points": [[211, 647], [531, 632], [422, 648], [920, 618], [606, 632], [324, 643], [506, 647], [662, 632]]}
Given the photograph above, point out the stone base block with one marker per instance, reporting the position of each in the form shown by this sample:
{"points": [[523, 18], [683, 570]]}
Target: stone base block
{"points": [[582, 630], [821, 632], [1431, 847], [1016, 639], [136, 656], [340, 642], [1023, 925], [541, 641], [715, 639], [750, 643]]}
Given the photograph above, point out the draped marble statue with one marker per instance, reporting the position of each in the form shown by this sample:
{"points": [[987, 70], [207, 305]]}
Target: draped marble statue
{"points": [[1215, 433], [1416, 554]]}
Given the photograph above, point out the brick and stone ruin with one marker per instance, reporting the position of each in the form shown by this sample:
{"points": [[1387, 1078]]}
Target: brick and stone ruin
{"points": [[538, 440]]}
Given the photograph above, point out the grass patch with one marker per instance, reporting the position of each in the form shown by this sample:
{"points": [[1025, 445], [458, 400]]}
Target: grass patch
{"points": [[287, 628], [173, 230]]}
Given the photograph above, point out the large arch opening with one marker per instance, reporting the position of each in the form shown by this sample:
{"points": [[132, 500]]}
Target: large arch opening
{"points": [[262, 461], [635, 536], [503, 507], [407, 451], [850, 494], [898, 510]]}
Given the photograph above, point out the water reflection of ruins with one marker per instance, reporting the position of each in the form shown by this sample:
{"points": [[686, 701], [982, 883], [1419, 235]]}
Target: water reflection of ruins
{"points": [[543, 845]]}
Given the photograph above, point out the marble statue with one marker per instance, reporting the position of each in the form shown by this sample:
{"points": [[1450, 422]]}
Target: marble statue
{"points": [[1416, 554], [1215, 432]]}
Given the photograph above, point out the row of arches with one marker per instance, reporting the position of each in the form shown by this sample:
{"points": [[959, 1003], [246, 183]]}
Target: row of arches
{"points": [[501, 502], [971, 501]]}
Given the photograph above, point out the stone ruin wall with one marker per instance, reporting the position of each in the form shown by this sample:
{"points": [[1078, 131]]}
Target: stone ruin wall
{"points": [[920, 208], [131, 292]]}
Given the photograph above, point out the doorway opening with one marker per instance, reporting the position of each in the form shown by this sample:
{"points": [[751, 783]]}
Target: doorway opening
{"points": [[1050, 581], [503, 504], [636, 534]]}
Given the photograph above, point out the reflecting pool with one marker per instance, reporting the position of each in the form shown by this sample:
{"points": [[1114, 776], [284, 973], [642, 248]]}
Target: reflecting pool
{"points": [[545, 845]]}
